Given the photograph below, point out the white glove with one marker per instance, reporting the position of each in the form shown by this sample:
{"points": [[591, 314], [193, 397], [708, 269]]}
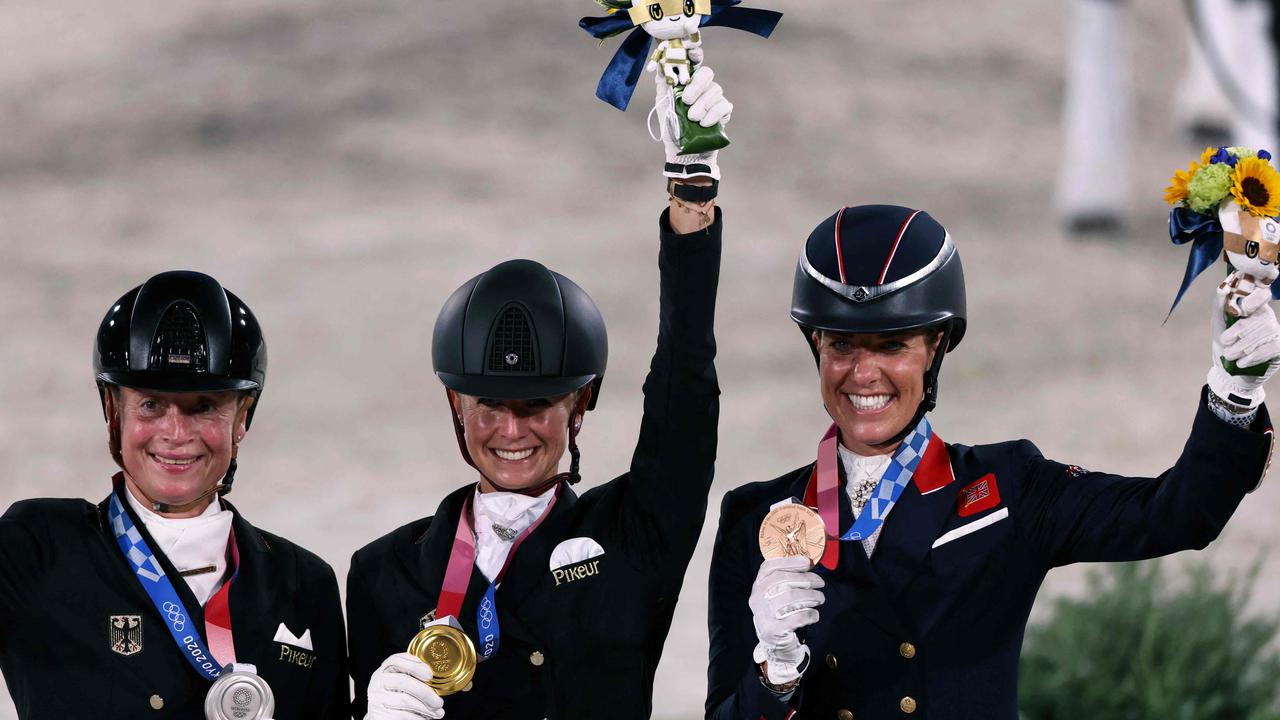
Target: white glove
{"points": [[1253, 339], [398, 691], [783, 600], [707, 106]]}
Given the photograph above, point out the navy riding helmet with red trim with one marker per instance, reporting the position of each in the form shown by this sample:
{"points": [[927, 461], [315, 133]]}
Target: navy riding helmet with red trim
{"points": [[877, 269]]}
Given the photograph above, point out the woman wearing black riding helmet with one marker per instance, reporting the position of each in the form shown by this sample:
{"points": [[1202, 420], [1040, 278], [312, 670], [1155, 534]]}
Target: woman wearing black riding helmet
{"points": [[561, 603], [163, 600], [925, 556]]}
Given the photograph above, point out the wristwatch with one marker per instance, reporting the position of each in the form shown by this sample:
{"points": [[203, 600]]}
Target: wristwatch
{"points": [[784, 688]]}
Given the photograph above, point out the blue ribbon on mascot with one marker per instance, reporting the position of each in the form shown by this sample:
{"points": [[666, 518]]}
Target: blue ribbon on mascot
{"points": [[619, 79], [1204, 232]]}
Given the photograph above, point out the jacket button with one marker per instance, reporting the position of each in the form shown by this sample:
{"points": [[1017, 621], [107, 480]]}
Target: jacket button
{"points": [[536, 658], [907, 705], [844, 715], [907, 650], [157, 702], [831, 661]]}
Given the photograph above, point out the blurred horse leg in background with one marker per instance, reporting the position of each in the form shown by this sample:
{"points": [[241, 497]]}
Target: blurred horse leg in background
{"points": [[1227, 95], [1093, 176], [1231, 64], [1201, 108], [1257, 124]]}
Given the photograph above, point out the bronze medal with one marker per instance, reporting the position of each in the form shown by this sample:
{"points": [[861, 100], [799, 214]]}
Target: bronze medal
{"points": [[450, 654], [793, 530]]}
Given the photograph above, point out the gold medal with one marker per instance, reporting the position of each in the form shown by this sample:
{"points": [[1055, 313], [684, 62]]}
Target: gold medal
{"points": [[450, 654], [793, 530]]}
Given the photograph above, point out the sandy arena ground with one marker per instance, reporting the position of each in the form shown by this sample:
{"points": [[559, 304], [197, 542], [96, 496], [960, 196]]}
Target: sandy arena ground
{"points": [[343, 166]]}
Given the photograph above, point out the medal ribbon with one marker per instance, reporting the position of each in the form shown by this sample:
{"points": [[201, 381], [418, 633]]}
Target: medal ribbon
{"points": [[457, 577], [824, 487], [168, 603], [217, 612]]}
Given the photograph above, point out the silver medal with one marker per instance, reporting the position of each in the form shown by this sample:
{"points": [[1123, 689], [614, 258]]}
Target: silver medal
{"points": [[239, 694]]}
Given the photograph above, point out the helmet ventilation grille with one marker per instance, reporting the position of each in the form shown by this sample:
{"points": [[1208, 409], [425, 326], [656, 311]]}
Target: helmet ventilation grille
{"points": [[180, 342], [511, 348]]}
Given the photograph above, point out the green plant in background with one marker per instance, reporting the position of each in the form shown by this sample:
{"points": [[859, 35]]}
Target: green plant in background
{"points": [[1136, 648]]}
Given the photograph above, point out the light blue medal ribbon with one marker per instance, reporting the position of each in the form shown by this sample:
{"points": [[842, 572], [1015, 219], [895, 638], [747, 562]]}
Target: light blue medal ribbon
{"points": [[160, 590], [896, 476]]}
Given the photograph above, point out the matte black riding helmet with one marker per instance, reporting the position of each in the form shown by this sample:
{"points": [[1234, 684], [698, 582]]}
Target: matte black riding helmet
{"points": [[519, 331], [882, 268], [180, 331]]}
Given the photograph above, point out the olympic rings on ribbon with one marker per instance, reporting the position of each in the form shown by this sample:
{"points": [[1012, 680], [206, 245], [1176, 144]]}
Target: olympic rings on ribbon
{"points": [[176, 618]]}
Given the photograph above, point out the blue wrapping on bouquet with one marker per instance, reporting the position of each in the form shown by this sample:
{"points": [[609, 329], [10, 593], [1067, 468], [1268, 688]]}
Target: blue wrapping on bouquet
{"points": [[619, 79], [1204, 232]]}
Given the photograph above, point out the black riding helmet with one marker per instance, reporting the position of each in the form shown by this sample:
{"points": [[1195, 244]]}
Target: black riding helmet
{"points": [[882, 268], [180, 331], [519, 331]]}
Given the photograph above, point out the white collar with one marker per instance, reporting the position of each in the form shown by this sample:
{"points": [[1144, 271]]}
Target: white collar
{"points": [[856, 465], [513, 511], [862, 472], [191, 543]]}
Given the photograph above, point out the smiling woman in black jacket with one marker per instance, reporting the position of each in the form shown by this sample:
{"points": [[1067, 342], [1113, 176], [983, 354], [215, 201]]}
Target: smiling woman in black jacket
{"points": [[146, 597], [564, 600]]}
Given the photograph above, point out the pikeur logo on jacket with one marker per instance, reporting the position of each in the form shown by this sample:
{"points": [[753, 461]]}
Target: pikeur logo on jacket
{"points": [[587, 601]]}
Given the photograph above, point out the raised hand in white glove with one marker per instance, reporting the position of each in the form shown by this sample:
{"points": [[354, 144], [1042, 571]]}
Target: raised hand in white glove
{"points": [[1253, 339], [707, 106], [398, 691], [784, 599]]}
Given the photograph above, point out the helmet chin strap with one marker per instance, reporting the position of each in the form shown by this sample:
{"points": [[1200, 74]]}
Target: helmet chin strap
{"points": [[221, 488], [575, 456], [572, 477], [931, 382], [930, 399]]}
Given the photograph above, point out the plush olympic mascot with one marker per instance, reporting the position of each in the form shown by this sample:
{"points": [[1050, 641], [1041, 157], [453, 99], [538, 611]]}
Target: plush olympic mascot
{"points": [[676, 25], [519, 598], [162, 600], [912, 596]]}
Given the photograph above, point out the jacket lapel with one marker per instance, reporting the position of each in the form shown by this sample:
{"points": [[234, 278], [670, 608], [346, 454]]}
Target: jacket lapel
{"points": [[867, 597], [255, 589], [122, 564], [916, 520], [530, 572], [425, 557], [254, 581], [194, 611]]}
